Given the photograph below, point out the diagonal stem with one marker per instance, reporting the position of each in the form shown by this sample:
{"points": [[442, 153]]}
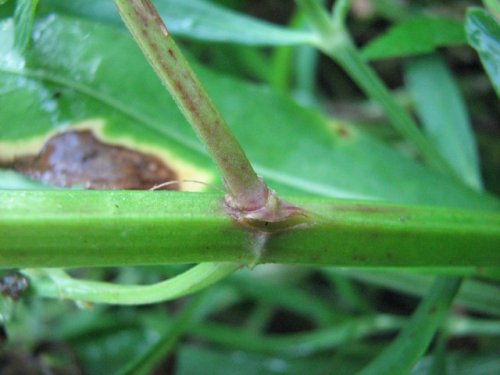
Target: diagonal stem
{"points": [[246, 190]]}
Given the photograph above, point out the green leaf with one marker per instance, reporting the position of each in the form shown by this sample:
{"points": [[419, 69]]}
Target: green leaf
{"points": [[196, 19], [23, 20], [414, 37], [483, 34], [444, 116], [104, 83]]}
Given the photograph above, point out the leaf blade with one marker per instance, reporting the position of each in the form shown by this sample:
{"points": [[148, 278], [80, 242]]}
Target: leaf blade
{"points": [[443, 112], [415, 36]]}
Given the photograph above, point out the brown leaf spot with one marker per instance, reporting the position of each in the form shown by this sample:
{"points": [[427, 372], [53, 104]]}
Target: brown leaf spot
{"points": [[342, 132], [78, 158], [172, 54]]}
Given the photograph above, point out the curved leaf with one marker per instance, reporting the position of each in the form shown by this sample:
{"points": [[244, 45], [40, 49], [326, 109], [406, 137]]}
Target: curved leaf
{"points": [[104, 83]]}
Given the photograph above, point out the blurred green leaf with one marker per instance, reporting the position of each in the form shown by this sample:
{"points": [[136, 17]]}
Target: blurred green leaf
{"points": [[478, 296], [146, 363], [444, 115], [23, 20], [483, 34], [102, 80], [195, 19], [105, 351], [415, 37], [463, 364], [199, 360]]}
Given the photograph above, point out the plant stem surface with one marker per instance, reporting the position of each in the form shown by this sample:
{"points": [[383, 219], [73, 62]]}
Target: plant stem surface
{"points": [[115, 228]]}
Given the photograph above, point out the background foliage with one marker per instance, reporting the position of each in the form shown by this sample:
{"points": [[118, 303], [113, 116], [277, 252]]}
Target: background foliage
{"points": [[308, 130]]}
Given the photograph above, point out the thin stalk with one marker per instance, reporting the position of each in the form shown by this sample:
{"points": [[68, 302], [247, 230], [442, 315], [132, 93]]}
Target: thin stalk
{"points": [[403, 352], [55, 283], [247, 190], [337, 44], [115, 228]]}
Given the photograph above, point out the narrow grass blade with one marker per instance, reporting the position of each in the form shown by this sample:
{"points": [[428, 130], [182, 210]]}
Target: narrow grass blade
{"points": [[404, 352]]}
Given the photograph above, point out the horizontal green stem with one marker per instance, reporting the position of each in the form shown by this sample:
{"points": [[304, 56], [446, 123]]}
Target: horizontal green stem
{"points": [[115, 228]]}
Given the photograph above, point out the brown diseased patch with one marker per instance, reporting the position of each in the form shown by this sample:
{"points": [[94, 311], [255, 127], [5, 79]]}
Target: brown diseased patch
{"points": [[78, 158]]}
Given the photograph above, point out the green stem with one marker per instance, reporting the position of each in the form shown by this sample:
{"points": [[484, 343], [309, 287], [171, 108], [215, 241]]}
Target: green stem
{"points": [[247, 190], [115, 228], [403, 352], [55, 283], [339, 12]]}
